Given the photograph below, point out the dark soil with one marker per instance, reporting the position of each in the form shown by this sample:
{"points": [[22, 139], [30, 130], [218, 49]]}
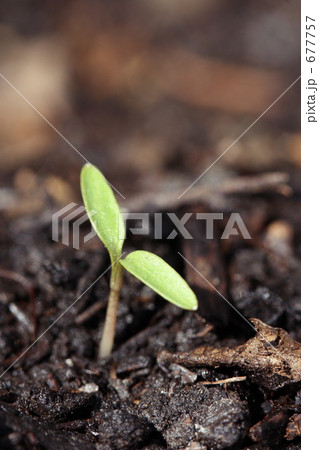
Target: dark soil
{"points": [[152, 94], [155, 391]]}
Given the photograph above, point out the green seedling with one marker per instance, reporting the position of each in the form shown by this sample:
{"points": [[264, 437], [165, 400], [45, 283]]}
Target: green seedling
{"points": [[106, 218]]}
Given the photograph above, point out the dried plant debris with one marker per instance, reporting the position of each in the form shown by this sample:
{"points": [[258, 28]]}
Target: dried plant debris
{"points": [[271, 358], [294, 427]]}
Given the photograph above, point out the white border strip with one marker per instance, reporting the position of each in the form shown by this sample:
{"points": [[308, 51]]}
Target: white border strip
{"points": [[310, 275]]}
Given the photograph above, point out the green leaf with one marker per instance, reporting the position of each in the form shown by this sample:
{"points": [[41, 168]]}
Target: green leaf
{"points": [[103, 210], [161, 277]]}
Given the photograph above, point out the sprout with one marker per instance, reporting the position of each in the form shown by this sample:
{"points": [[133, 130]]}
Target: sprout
{"points": [[106, 218]]}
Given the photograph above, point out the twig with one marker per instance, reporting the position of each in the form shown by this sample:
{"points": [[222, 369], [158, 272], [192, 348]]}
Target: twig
{"points": [[90, 312], [225, 381]]}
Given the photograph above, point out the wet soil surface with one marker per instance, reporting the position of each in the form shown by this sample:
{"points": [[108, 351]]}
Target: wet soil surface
{"points": [[176, 379]]}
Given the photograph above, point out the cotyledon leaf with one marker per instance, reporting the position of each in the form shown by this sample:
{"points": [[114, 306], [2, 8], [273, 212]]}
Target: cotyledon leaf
{"points": [[161, 277], [103, 210]]}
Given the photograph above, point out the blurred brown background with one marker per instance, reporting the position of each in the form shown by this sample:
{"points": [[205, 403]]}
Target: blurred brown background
{"points": [[152, 92]]}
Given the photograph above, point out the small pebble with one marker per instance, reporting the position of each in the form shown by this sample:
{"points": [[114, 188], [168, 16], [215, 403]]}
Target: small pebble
{"points": [[89, 388]]}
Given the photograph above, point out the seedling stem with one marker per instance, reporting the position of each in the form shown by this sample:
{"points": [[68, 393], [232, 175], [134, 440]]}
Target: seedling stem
{"points": [[116, 282]]}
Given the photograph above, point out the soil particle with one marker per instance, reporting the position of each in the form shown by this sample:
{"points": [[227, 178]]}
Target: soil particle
{"points": [[21, 432], [271, 429], [207, 257], [261, 299], [58, 406], [187, 414], [122, 429]]}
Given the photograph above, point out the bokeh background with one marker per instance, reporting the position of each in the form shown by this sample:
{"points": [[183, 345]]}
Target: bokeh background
{"points": [[150, 91]]}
